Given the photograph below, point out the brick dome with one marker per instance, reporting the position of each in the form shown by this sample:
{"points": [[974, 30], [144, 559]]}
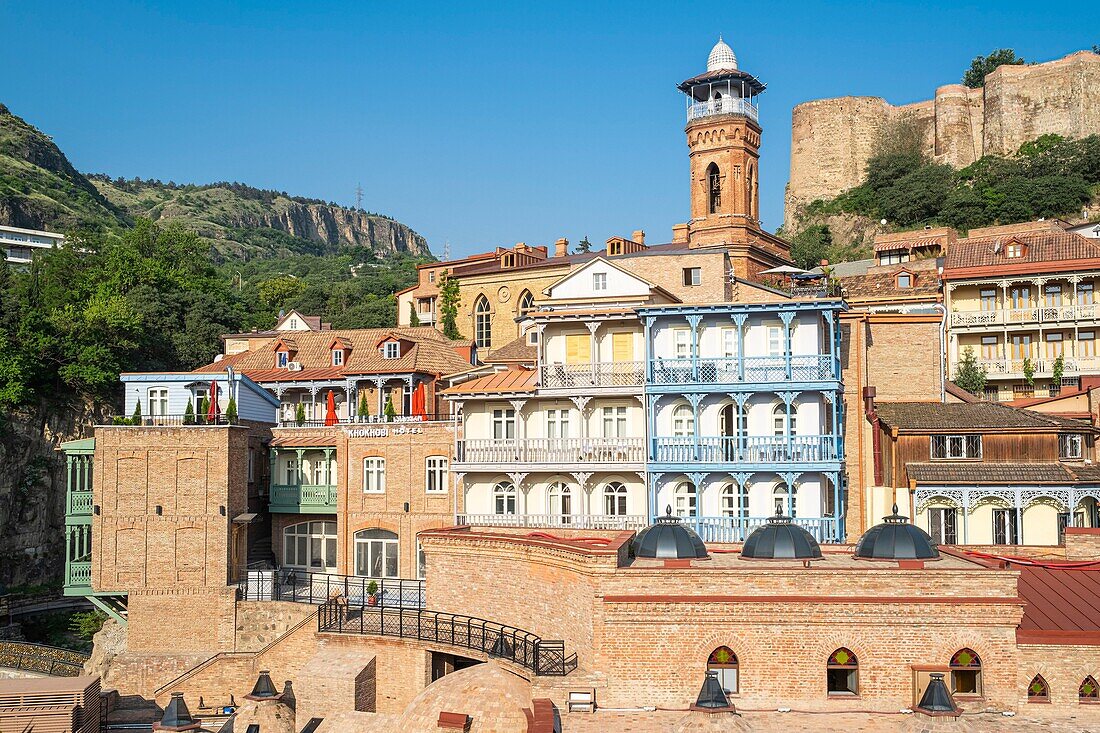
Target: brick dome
{"points": [[494, 698]]}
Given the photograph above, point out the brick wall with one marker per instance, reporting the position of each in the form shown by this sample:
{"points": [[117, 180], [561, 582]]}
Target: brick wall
{"points": [[1082, 543], [1064, 667]]}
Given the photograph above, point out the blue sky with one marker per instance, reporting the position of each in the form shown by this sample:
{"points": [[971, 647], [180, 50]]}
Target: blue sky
{"points": [[477, 123]]}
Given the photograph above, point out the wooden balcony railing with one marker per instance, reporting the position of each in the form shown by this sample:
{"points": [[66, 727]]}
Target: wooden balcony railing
{"points": [[78, 503], [1043, 367], [552, 450], [731, 370], [1040, 314], [745, 449], [598, 374], [737, 529], [551, 521], [297, 496]]}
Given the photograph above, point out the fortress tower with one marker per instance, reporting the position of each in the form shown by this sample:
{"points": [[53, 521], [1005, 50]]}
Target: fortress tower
{"points": [[723, 135]]}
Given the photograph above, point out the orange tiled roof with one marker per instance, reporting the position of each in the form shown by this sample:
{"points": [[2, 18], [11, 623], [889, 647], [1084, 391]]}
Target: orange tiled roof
{"points": [[509, 380], [430, 353], [1040, 247], [514, 351]]}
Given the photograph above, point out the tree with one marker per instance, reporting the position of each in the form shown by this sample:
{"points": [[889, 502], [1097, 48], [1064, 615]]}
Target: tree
{"points": [[135, 419], [982, 66], [1029, 371], [189, 413], [584, 245], [391, 411], [300, 415], [414, 320], [204, 410], [231, 411], [448, 306], [364, 406], [811, 245], [1057, 369], [278, 292], [969, 374]]}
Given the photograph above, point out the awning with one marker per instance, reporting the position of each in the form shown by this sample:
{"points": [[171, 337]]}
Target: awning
{"points": [[246, 518]]}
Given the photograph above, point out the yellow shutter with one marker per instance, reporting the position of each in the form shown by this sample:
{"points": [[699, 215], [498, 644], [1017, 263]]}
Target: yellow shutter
{"points": [[622, 346], [578, 348]]}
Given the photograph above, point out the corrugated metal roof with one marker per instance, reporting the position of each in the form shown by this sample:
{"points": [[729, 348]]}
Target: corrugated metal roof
{"points": [[509, 380], [1060, 600]]}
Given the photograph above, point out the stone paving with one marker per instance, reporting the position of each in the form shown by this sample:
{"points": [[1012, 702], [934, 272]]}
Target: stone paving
{"points": [[665, 720]]}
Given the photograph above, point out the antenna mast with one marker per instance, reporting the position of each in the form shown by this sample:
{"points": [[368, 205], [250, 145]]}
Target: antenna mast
{"points": [[447, 250], [359, 196]]}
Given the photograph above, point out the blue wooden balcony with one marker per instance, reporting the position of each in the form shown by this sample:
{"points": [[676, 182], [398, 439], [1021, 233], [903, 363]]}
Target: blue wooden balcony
{"points": [[303, 498], [808, 452], [737, 529], [751, 371]]}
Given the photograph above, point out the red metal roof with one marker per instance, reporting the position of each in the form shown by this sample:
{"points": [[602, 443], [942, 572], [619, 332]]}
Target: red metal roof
{"points": [[509, 380], [1062, 606]]}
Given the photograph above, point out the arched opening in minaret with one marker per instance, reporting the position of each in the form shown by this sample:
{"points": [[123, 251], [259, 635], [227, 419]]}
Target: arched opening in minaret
{"points": [[752, 191], [714, 188]]}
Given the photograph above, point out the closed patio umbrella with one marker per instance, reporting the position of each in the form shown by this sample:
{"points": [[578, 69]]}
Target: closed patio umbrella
{"points": [[213, 412], [419, 399], [330, 409]]}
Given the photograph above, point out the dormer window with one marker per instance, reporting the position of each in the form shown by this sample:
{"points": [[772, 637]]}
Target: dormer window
{"points": [[1014, 250], [391, 350], [282, 358], [508, 260], [615, 248], [599, 281], [338, 357], [904, 279], [431, 277]]}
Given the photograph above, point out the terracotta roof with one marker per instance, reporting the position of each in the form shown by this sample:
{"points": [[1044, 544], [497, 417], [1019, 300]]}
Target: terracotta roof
{"points": [[938, 417], [508, 380], [430, 353], [1041, 247], [1060, 605], [980, 473], [884, 285], [515, 351], [957, 391], [654, 250]]}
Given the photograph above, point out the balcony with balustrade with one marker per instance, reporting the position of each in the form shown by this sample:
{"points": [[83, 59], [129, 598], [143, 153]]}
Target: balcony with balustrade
{"points": [[556, 521], [668, 375], [629, 376], [79, 458], [737, 529], [746, 452], [515, 453], [1061, 315], [307, 485], [1043, 368], [727, 105]]}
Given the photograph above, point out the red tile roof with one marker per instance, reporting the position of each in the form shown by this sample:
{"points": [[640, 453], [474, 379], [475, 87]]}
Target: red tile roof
{"points": [[1050, 247], [1061, 605]]}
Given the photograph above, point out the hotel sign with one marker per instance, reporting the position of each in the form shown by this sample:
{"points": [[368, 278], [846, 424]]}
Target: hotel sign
{"points": [[384, 431]]}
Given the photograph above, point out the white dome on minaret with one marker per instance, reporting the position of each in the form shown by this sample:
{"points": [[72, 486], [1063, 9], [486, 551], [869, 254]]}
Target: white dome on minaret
{"points": [[721, 57]]}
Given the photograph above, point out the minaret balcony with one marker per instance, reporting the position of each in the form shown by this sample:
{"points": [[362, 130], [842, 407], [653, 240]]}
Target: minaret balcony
{"points": [[723, 106]]}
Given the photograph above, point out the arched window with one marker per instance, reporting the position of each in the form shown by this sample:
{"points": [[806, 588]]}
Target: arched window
{"points": [[685, 499], [376, 553], [561, 499], [1089, 691], [483, 330], [735, 501], [614, 499], [714, 188], [780, 426], [752, 192], [526, 303], [780, 494], [504, 498], [310, 546], [683, 421], [1038, 690], [724, 662], [842, 673], [966, 673]]}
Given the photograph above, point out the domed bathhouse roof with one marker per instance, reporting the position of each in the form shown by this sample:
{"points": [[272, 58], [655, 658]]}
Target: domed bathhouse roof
{"points": [[668, 539], [721, 57], [489, 696], [781, 539], [896, 539]]}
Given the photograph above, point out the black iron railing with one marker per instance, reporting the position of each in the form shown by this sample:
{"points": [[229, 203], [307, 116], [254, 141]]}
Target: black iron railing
{"points": [[48, 660], [488, 637], [300, 586], [290, 422]]}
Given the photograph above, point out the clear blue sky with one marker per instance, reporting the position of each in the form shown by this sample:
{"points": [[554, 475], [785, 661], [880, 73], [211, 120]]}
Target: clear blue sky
{"points": [[475, 123]]}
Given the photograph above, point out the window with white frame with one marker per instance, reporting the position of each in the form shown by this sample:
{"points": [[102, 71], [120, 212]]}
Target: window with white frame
{"points": [[504, 498], [599, 281], [291, 471], [374, 475], [781, 422], [693, 276], [730, 339], [1004, 527], [685, 499], [376, 553], [560, 499], [557, 423], [391, 350], [895, 257], [436, 474], [734, 502], [956, 447], [1014, 250], [683, 421], [1070, 446], [338, 357], [614, 422], [310, 545], [681, 340], [614, 499], [781, 493], [158, 401], [776, 347], [321, 471], [483, 329], [504, 424]]}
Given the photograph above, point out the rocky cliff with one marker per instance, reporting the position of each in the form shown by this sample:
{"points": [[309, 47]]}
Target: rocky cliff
{"points": [[832, 139]]}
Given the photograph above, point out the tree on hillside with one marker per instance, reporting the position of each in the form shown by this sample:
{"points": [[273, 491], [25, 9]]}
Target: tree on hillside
{"points": [[969, 374], [414, 320], [278, 292], [448, 306], [982, 66], [811, 245]]}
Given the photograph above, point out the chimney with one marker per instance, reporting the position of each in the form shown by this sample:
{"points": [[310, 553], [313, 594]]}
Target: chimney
{"points": [[680, 233], [638, 236], [561, 247]]}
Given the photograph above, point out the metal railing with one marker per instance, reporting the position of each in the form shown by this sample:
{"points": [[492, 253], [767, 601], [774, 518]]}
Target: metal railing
{"points": [[733, 369], [302, 586], [596, 374], [170, 421], [49, 660], [728, 105], [552, 450], [290, 422], [737, 529], [309, 495], [1043, 367], [78, 503], [746, 449], [558, 521], [466, 632], [1040, 314]]}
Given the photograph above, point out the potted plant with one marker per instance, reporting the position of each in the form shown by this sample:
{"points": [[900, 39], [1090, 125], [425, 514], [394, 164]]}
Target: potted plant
{"points": [[372, 593]]}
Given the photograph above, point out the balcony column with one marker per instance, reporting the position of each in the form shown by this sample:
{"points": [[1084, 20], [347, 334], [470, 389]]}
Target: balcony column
{"points": [[739, 319], [328, 466], [695, 400], [273, 458], [378, 383], [351, 395], [787, 317], [741, 437], [647, 350], [966, 516], [540, 352], [789, 479], [651, 426], [693, 322], [1019, 516], [788, 400], [300, 467], [697, 479], [831, 344], [581, 477], [70, 463], [653, 486], [521, 494], [593, 347], [521, 428]]}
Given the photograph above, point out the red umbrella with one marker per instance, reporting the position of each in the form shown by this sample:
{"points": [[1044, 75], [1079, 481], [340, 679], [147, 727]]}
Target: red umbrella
{"points": [[330, 409], [213, 412], [418, 401]]}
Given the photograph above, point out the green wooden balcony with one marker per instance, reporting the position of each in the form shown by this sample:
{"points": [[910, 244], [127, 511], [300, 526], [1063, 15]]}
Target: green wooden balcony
{"points": [[78, 577], [78, 504], [303, 498]]}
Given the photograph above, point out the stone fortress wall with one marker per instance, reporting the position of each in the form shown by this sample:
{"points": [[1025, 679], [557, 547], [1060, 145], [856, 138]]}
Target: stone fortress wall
{"points": [[832, 139]]}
